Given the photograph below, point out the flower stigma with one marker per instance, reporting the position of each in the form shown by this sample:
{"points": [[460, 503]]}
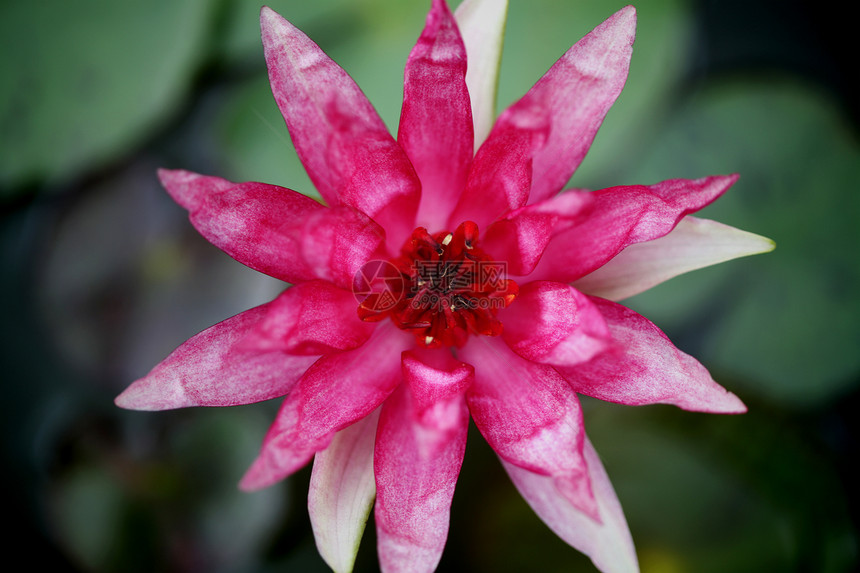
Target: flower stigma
{"points": [[442, 287]]}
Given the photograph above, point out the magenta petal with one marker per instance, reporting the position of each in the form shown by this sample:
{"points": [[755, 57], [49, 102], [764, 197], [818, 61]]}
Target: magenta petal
{"points": [[311, 318], [529, 416], [436, 120], [435, 377], [211, 369], [646, 368], [538, 142], [335, 243], [608, 543], [274, 230], [416, 461], [622, 216], [554, 323], [341, 140], [573, 98], [192, 190], [244, 219], [337, 390], [501, 173], [521, 236]]}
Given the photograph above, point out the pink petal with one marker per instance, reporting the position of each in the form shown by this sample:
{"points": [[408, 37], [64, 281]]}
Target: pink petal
{"points": [[192, 191], [529, 416], [335, 243], [437, 384], [482, 25], [646, 368], [553, 323], [436, 118], [343, 144], [573, 98], [608, 543], [537, 143], [622, 216], [274, 230], [244, 219], [210, 369], [337, 390], [521, 236], [419, 451], [311, 318], [342, 491], [501, 173], [693, 244]]}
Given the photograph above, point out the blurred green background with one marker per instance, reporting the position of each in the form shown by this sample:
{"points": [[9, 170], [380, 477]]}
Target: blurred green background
{"points": [[102, 276]]}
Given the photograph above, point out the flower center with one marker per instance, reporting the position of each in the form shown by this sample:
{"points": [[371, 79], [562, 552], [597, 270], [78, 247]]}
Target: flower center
{"points": [[441, 288]]}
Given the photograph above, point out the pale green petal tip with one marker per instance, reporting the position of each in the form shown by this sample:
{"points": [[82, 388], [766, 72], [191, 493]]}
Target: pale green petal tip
{"points": [[348, 564], [757, 244], [342, 493]]}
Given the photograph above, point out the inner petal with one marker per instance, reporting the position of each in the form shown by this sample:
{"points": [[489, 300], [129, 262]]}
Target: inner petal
{"points": [[441, 288]]}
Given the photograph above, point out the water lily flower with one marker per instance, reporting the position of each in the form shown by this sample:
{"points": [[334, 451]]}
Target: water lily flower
{"points": [[446, 277]]}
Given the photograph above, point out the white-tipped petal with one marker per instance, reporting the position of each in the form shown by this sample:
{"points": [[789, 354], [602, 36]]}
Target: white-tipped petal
{"points": [[482, 26], [694, 244], [608, 543], [341, 493]]}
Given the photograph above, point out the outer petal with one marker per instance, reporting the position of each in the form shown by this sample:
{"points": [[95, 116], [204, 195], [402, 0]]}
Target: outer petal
{"points": [[211, 369], [336, 391], [312, 318], [537, 143], [435, 378], [573, 97], [553, 323], [343, 144], [529, 416], [436, 119], [342, 491], [622, 216], [274, 230], [693, 244], [608, 543], [521, 236], [646, 368], [419, 451], [482, 24], [192, 191]]}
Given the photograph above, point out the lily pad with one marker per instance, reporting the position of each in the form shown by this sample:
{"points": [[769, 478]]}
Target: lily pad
{"points": [[700, 496], [84, 81]]}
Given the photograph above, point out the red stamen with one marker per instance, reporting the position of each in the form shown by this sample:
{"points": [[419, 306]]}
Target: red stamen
{"points": [[449, 287]]}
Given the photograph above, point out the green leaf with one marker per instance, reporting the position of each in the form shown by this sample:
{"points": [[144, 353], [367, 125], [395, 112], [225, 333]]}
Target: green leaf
{"points": [[85, 81], [723, 493], [88, 511]]}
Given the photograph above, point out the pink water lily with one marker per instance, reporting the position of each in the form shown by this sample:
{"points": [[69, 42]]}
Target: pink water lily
{"points": [[446, 278]]}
